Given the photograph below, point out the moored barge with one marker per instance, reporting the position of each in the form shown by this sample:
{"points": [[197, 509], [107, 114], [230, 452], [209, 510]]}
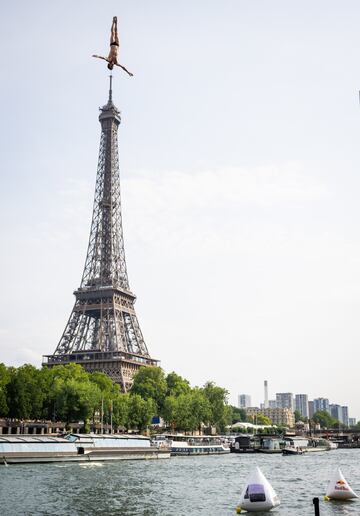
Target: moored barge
{"points": [[77, 448]]}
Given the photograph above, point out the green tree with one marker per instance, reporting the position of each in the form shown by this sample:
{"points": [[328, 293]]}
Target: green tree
{"points": [[140, 412], [25, 395], [324, 419], [4, 380], [76, 400], [109, 391], [220, 412], [238, 415], [121, 408], [297, 416], [52, 380], [184, 419], [170, 411], [176, 385], [150, 383], [263, 420], [191, 410]]}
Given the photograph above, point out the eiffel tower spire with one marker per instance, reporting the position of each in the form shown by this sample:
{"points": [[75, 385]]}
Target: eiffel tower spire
{"points": [[103, 333]]}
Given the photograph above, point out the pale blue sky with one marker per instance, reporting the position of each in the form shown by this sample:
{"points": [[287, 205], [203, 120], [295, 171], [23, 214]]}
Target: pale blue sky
{"points": [[239, 154]]}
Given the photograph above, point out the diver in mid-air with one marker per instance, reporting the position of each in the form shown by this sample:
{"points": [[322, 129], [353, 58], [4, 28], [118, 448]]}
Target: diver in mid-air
{"points": [[114, 49]]}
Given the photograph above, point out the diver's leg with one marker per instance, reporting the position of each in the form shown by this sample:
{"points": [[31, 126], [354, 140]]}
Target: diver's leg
{"points": [[114, 38]]}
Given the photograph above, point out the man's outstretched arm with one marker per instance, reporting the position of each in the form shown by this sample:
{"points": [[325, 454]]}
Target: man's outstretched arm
{"points": [[101, 57], [123, 67]]}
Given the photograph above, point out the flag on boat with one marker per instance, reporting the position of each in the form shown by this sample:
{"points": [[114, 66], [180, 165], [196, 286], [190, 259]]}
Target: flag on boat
{"points": [[338, 488], [258, 494]]}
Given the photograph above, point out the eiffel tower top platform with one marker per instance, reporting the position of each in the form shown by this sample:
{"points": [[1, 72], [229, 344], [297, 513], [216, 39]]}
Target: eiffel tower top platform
{"points": [[103, 332]]}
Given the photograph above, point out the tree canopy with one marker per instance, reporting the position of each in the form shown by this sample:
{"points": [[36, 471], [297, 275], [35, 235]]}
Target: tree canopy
{"points": [[325, 420], [70, 394]]}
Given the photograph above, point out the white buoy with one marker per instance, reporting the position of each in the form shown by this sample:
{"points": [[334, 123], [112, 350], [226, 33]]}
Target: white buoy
{"points": [[258, 494], [338, 488]]}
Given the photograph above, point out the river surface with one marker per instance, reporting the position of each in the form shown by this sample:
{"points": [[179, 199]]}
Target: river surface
{"points": [[178, 486]]}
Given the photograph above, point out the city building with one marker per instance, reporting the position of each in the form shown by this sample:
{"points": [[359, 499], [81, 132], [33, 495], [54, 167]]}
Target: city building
{"points": [[352, 421], [345, 415], [336, 412], [311, 409], [272, 404], [279, 416], [322, 404], [302, 404], [285, 400], [244, 401]]}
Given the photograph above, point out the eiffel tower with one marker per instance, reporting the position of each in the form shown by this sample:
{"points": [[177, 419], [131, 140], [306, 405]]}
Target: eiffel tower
{"points": [[103, 332]]}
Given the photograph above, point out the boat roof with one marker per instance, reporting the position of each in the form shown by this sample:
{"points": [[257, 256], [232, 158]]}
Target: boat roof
{"points": [[31, 439], [109, 436], [188, 437]]}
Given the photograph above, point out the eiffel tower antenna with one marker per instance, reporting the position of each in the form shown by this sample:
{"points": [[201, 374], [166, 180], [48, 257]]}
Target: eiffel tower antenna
{"points": [[110, 89], [103, 332]]}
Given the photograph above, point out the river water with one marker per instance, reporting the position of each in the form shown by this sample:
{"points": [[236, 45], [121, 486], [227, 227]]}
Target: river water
{"points": [[179, 486]]}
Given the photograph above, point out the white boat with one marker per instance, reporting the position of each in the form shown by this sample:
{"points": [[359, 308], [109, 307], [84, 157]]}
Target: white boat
{"points": [[292, 451], [258, 494], [77, 448], [298, 445], [185, 445]]}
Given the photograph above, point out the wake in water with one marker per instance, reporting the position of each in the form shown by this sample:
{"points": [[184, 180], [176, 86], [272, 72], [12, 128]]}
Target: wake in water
{"points": [[92, 465]]}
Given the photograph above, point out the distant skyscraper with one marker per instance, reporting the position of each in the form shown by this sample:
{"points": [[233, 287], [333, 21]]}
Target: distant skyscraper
{"points": [[322, 404], [244, 401], [336, 412], [272, 404], [345, 415], [311, 409], [285, 400], [352, 421], [266, 394], [302, 404]]}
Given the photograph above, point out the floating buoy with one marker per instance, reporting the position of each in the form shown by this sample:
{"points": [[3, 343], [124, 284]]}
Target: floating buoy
{"points": [[338, 488], [258, 494]]}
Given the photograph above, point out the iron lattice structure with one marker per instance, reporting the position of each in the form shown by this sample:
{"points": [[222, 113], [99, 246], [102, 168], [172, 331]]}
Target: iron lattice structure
{"points": [[103, 332]]}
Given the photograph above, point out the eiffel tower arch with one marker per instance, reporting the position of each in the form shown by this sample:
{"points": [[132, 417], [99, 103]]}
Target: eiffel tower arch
{"points": [[103, 332]]}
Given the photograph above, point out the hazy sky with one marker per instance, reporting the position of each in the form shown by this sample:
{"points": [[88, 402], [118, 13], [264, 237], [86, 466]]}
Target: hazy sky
{"points": [[240, 158]]}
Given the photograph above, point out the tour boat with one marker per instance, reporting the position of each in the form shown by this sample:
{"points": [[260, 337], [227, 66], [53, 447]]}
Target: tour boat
{"points": [[185, 445], [77, 448]]}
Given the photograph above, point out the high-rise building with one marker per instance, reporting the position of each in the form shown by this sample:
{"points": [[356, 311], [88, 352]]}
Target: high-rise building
{"points": [[322, 404], [285, 400], [272, 404], [345, 415], [302, 404], [244, 400], [352, 421], [336, 412], [311, 409]]}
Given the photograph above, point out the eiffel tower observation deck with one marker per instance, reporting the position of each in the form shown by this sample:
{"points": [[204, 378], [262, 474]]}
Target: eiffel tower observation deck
{"points": [[103, 332]]}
